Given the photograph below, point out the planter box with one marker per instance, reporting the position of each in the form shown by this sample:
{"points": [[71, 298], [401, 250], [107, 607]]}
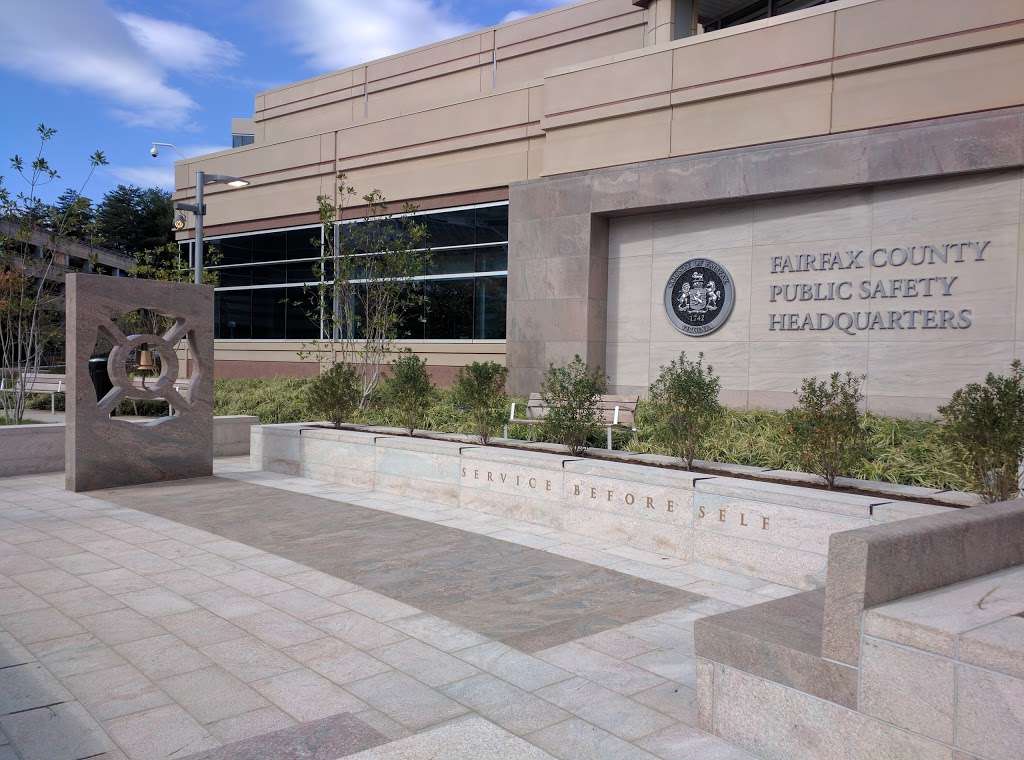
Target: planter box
{"points": [[775, 531], [32, 449]]}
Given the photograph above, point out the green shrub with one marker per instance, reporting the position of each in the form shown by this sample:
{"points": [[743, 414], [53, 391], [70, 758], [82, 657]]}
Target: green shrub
{"points": [[684, 406], [408, 391], [987, 421], [826, 426], [571, 395], [335, 394], [273, 400], [479, 390]]}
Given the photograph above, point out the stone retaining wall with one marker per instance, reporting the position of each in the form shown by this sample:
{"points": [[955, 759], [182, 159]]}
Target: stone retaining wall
{"points": [[31, 449], [773, 531]]}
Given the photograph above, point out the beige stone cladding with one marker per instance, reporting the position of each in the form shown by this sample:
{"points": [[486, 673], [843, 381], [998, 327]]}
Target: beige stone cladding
{"points": [[945, 253], [774, 531]]}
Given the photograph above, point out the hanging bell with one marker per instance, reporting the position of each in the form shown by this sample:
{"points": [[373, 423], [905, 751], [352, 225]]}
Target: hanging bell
{"points": [[146, 362]]}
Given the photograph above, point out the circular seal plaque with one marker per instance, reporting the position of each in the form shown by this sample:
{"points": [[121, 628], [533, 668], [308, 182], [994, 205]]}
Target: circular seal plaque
{"points": [[699, 297]]}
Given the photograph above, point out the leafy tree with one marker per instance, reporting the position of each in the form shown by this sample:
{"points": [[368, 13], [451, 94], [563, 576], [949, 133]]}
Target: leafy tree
{"points": [[365, 290], [480, 390], [408, 392], [130, 220], [30, 302], [683, 406], [987, 420], [826, 427], [334, 394], [571, 395], [72, 212]]}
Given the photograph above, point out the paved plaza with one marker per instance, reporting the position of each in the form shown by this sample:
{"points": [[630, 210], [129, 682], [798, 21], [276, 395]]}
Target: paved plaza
{"points": [[254, 615]]}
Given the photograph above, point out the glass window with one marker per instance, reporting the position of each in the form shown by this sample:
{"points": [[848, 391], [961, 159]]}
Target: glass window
{"points": [[234, 314], [470, 305], [269, 310], [489, 311], [492, 224], [237, 141], [494, 259], [269, 247], [448, 309], [303, 244]]}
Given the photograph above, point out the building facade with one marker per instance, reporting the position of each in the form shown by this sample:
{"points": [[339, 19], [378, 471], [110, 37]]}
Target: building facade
{"points": [[790, 188]]}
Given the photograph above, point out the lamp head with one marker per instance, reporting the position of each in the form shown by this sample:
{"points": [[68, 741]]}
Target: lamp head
{"points": [[154, 151]]}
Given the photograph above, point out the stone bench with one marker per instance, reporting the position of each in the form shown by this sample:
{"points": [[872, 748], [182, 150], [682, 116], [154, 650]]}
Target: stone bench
{"points": [[867, 644]]}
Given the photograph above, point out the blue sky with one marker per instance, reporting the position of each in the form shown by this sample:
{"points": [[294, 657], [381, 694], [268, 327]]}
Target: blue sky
{"points": [[115, 75]]}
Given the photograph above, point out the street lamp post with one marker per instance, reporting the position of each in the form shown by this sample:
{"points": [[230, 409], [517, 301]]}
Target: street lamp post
{"points": [[198, 208]]}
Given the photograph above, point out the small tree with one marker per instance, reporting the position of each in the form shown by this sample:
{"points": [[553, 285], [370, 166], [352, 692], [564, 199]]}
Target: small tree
{"points": [[987, 420], [335, 394], [366, 270], [408, 391], [30, 298], [480, 390], [683, 406], [571, 395], [826, 426]]}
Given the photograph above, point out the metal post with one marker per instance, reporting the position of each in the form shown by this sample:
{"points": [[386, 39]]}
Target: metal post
{"points": [[200, 181]]}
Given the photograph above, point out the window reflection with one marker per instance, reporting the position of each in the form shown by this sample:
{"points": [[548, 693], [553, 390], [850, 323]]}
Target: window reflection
{"points": [[461, 298]]}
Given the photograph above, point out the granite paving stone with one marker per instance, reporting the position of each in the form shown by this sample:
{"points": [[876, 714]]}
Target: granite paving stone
{"points": [[406, 700], [337, 660], [32, 626], [258, 722], [76, 654], [278, 628], [249, 659], [212, 694], [229, 603], [456, 577], [11, 652], [305, 605], [681, 742], [118, 581], [117, 691], [470, 737], [200, 628], [673, 699], [87, 600], [120, 626], [424, 663], [500, 702], [162, 656], [15, 599], [307, 696], [605, 708], [574, 739], [59, 732], [164, 732], [600, 668], [48, 581], [156, 602], [359, 630], [520, 669], [24, 687], [326, 739]]}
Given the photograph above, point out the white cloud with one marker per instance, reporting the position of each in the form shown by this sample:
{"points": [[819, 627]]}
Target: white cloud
{"points": [[178, 47], [145, 176], [533, 6], [332, 34], [83, 44]]}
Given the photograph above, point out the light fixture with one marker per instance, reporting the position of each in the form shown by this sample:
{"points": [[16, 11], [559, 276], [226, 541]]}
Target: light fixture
{"points": [[238, 183], [180, 221]]}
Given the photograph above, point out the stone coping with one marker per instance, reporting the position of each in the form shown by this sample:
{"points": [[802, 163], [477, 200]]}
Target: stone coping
{"points": [[941, 621], [781, 641], [858, 493], [869, 567]]}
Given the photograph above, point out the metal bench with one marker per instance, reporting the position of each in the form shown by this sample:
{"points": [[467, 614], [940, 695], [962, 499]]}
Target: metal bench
{"points": [[617, 413], [53, 384], [43, 384]]}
